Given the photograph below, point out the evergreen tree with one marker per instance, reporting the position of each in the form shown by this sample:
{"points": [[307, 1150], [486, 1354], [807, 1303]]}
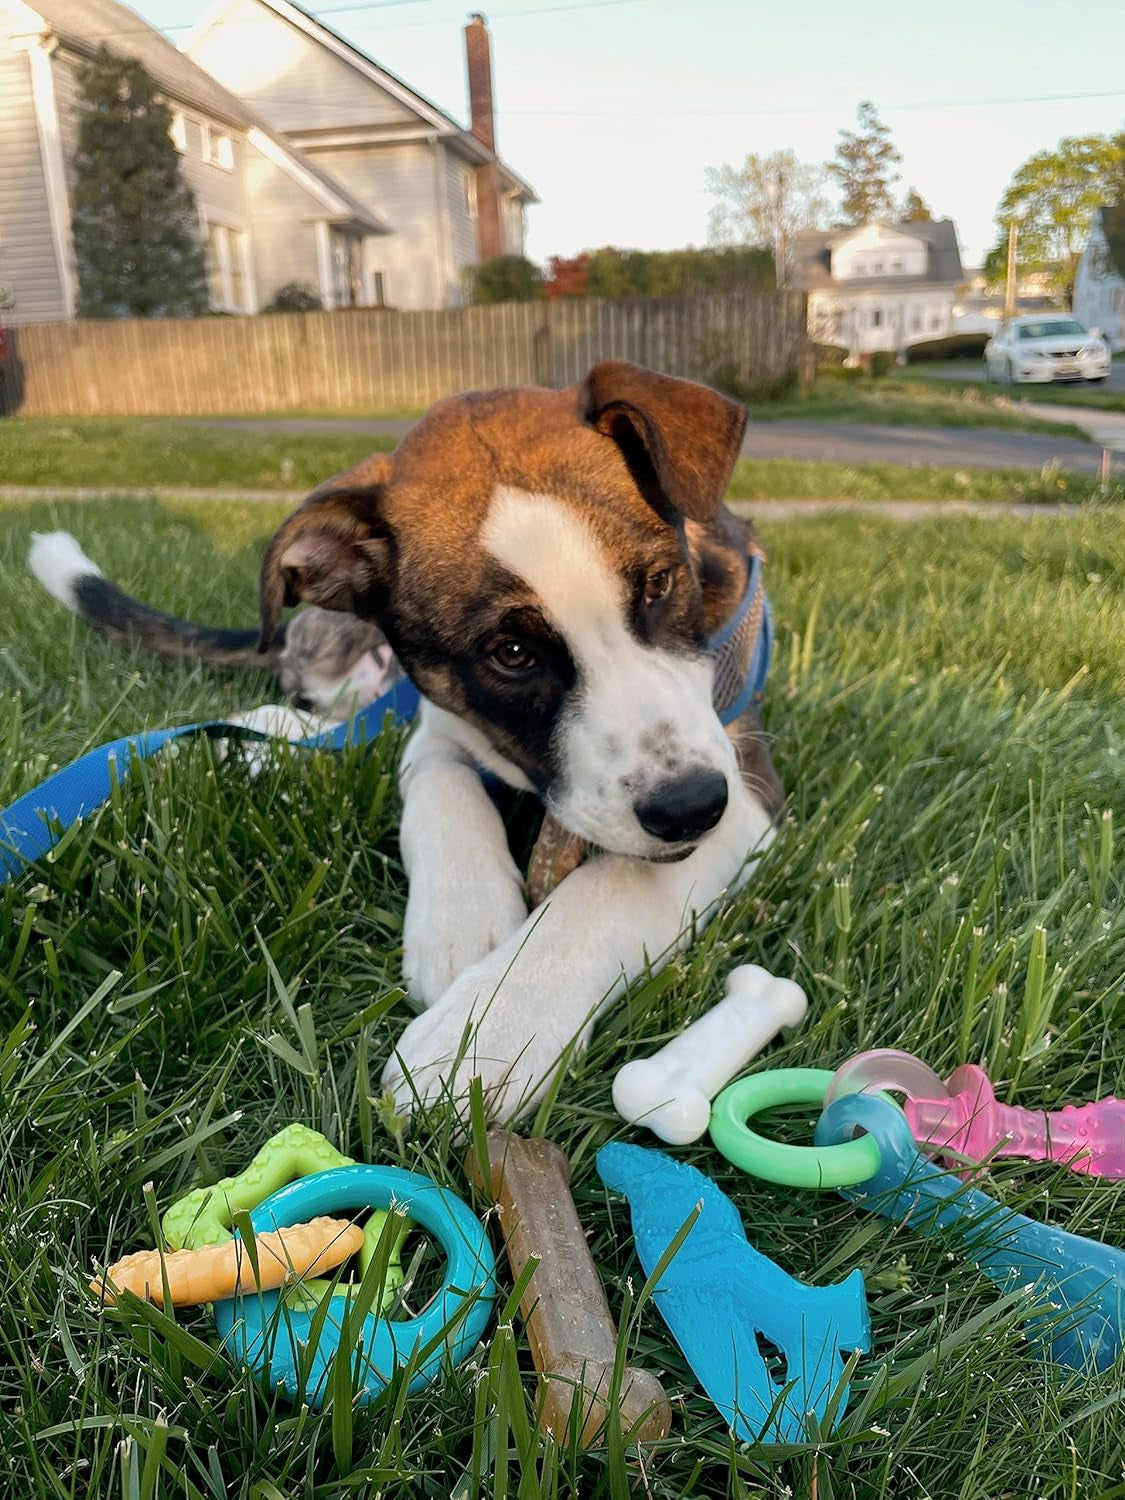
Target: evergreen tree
{"points": [[863, 167], [136, 234]]}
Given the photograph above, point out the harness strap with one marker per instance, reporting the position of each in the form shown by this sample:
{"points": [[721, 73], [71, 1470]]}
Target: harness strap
{"points": [[30, 826]]}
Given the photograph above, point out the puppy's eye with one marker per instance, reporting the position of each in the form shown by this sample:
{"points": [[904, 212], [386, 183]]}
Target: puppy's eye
{"points": [[658, 585], [511, 656]]}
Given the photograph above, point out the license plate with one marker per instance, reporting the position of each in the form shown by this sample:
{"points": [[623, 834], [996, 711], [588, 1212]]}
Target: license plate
{"points": [[1068, 367]]}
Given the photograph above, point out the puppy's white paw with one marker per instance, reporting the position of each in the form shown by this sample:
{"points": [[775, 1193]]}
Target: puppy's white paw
{"points": [[493, 1025], [455, 918], [279, 723]]}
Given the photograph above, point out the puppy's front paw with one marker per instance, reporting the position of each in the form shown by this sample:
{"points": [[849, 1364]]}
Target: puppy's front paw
{"points": [[455, 918], [490, 1024]]}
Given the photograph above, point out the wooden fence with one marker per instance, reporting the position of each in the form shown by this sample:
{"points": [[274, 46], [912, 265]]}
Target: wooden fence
{"points": [[368, 360]]}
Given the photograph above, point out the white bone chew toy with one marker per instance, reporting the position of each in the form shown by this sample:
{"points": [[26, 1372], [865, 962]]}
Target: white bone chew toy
{"points": [[671, 1091]]}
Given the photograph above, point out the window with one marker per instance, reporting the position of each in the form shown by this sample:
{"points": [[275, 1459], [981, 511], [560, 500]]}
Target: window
{"points": [[935, 320], [876, 317], [378, 289], [877, 268], [227, 264], [178, 131], [896, 266], [916, 320], [217, 148], [469, 184], [347, 269]]}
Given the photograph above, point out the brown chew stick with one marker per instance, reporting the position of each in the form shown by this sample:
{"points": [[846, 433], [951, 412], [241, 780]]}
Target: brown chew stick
{"points": [[555, 855], [570, 1331]]}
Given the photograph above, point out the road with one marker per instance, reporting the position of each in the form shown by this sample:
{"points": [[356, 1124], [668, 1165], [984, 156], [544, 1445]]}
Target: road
{"points": [[824, 442], [970, 369]]}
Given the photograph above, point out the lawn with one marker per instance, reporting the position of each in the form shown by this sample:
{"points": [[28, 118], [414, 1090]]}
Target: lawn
{"points": [[142, 452], [949, 378], [214, 956]]}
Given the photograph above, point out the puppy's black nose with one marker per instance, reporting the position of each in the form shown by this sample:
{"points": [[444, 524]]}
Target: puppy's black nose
{"points": [[683, 810]]}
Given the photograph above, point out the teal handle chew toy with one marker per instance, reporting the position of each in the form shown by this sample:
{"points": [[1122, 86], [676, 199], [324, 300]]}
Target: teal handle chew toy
{"points": [[1083, 1280], [205, 1216], [718, 1293], [295, 1348]]}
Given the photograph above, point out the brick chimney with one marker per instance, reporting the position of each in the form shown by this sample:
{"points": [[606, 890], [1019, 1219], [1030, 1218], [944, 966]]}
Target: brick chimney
{"points": [[478, 62]]}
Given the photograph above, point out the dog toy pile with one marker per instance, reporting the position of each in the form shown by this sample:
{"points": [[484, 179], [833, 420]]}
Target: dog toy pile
{"points": [[720, 1296]]}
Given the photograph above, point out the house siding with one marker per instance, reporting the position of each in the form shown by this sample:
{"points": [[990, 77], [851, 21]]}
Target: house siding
{"points": [[462, 223], [293, 82], [27, 253], [1099, 293], [399, 183], [283, 243]]}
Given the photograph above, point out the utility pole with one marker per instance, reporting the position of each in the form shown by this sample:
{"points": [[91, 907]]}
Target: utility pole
{"points": [[1010, 284]]}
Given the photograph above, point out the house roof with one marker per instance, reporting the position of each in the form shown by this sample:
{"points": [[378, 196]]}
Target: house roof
{"points": [[812, 257], [450, 129], [85, 26]]}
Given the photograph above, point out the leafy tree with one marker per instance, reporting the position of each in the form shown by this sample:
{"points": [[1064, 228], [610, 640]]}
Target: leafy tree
{"points": [[766, 202], [1053, 198], [1115, 213], [136, 230], [610, 272], [864, 168], [505, 278], [915, 209]]}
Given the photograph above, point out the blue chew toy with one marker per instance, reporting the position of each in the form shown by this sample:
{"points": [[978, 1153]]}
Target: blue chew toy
{"points": [[1083, 1280], [718, 1293], [273, 1341]]}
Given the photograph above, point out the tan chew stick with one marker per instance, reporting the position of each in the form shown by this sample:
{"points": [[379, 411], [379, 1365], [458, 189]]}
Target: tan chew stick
{"points": [[216, 1271], [555, 855], [570, 1331]]}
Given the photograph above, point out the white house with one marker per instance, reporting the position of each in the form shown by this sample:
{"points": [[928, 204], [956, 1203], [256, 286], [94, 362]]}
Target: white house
{"points": [[879, 286], [446, 195], [358, 189], [1099, 289]]}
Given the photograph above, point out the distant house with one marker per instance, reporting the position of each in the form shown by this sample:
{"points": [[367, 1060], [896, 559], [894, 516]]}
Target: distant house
{"points": [[406, 212], [448, 198], [1099, 288], [268, 215], [879, 286]]}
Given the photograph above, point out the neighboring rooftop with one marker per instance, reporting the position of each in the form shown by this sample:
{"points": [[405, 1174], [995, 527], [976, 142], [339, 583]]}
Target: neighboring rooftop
{"points": [[85, 26], [812, 250]]}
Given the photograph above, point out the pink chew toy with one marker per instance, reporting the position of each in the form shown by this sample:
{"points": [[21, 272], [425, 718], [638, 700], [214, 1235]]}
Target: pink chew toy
{"points": [[964, 1116]]}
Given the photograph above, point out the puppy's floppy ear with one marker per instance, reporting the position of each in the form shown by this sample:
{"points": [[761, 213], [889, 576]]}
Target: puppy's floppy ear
{"points": [[334, 551], [686, 435]]}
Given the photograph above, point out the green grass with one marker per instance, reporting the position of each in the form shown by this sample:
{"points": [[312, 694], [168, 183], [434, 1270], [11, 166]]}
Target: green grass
{"points": [[951, 378], [146, 452], [946, 704], [134, 452], [781, 479], [899, 401]]}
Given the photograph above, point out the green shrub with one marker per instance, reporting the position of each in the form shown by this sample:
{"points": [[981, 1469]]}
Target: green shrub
{"points": [[506, 278], [882, 361], [293, 297]]}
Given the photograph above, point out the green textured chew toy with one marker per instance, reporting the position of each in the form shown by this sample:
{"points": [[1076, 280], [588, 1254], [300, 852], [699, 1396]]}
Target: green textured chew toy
{"points": [[205, 1216]]}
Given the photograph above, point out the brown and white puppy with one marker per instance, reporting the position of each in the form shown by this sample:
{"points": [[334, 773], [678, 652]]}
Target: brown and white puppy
{"points": [[547, 566]]}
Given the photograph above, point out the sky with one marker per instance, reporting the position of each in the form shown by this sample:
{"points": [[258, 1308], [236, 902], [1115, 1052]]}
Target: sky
{"points": [[613, 109]]}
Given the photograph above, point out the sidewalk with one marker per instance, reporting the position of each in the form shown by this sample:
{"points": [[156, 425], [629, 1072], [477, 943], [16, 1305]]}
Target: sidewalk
{"points": [[1106, 428], [760, 510]]}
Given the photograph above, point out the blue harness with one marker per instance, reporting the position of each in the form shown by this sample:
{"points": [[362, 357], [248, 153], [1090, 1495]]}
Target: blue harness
{"points": [[33, 823]]}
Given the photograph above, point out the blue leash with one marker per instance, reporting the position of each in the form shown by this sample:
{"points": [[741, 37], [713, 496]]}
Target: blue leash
{"points": [[29, 826]]}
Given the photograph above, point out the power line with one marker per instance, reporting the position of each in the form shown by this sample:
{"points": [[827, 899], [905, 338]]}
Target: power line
{"points": [[815, 109]]}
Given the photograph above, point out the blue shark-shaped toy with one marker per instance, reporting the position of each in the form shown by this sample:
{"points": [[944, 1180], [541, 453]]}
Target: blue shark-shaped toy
{"points": [[1083, 1280], [718, 1294]]}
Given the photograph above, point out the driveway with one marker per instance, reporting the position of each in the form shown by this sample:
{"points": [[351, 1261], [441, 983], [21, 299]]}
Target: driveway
{"points": [[824, 442]]}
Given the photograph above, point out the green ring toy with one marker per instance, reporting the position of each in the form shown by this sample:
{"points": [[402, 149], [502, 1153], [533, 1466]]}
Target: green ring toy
{"points": [[845, 1165]]}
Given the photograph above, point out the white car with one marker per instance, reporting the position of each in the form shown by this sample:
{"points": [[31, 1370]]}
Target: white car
{"points": [[1047, 346]]}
